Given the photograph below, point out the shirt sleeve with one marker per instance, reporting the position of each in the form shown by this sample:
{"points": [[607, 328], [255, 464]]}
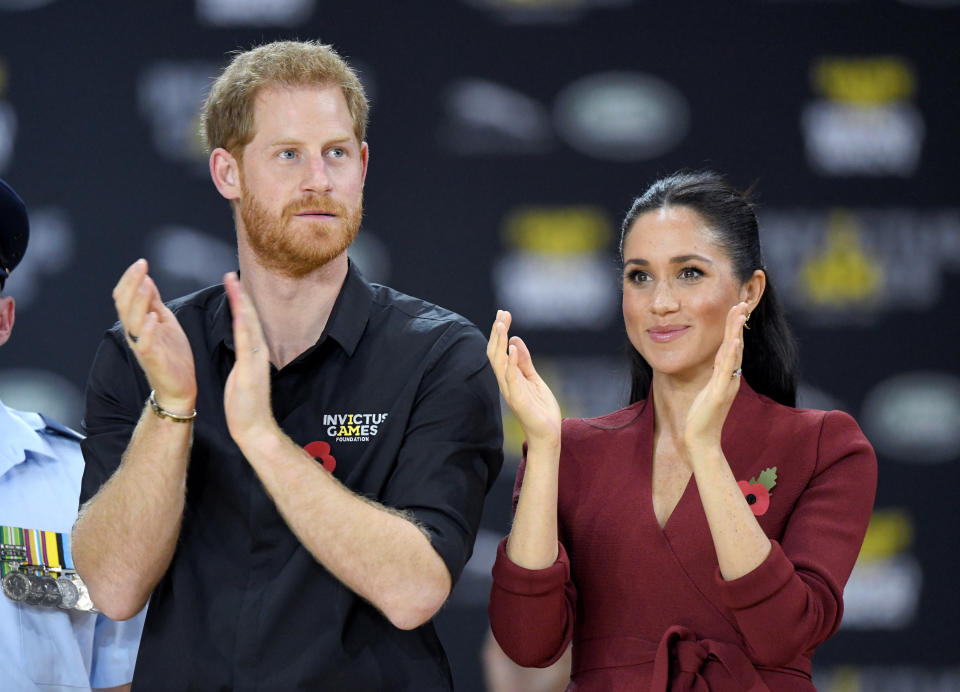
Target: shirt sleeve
{"points": [[115, 395], [115, 646], [532, 612], [794, 600], [453, 447]]}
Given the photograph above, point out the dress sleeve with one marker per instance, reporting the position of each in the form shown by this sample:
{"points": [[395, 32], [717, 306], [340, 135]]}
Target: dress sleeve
{"points": [[115, 395], [452, 449], [793, 601], [115, 646], [532, 612]]}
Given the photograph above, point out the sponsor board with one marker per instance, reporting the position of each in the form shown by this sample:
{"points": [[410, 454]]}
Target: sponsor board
{"points": [[883, 592], [371, 256], [34, 389], [832, 264], [908, 678], [483, 117], [52, 242], [23, 5], [8, 133], [189, 257], [544, 11], [170, 95], [556, 273], [8, 120], [914, 417], [612, 116], [621, 116], [254, 12], [863, 124]]}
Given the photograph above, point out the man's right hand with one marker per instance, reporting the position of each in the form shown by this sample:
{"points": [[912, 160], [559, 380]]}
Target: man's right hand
{"points": [[156, 339]]}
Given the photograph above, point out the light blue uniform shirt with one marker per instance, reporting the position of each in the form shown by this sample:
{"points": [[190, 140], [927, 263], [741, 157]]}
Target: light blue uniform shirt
{"points": [[50, 649]]}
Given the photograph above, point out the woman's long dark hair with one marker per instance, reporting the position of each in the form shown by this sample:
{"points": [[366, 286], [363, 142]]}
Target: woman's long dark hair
{"points": [[769, 350]]}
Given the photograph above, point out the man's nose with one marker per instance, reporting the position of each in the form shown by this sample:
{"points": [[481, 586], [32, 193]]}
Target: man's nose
{"points": [[316, 177]]}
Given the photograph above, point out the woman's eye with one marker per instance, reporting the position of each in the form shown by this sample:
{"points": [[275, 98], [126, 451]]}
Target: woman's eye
{"points": [[636, 276], [690, 273]]}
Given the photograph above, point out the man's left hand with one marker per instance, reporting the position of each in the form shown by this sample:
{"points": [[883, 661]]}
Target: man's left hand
{"points": [[246, 396]]}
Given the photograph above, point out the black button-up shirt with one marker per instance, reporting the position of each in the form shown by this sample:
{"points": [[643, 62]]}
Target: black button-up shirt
{"points": [[397, 400]]}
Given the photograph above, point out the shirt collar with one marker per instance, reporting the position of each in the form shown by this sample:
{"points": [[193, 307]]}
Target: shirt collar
{"points": [[346, 324], [18, 436]]}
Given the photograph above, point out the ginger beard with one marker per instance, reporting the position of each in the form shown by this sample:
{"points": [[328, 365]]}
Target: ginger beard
{"points": [[297, 253]]}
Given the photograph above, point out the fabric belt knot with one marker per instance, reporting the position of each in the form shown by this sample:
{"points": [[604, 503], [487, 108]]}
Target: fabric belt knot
{"points": [[685, 663]]}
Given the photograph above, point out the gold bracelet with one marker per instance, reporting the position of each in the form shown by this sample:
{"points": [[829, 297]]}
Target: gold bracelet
{"points": [[163, 413]]}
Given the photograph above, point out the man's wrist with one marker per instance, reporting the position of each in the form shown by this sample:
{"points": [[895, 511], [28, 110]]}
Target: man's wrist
{"points": [[262, 441], [178, 411]]}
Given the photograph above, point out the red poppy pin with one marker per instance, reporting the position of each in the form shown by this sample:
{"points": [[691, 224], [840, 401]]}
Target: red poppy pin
{"points": [[757, 490]]}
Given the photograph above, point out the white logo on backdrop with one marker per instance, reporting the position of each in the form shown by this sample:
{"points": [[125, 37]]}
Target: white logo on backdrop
{"points": [[622, 116], [254, 12], [170, 95], [52, 240], [915, 417], [8, 133], [483, 117]]}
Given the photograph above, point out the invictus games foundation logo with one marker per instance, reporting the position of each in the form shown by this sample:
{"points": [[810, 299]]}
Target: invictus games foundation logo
{"points": [[353, 427]]}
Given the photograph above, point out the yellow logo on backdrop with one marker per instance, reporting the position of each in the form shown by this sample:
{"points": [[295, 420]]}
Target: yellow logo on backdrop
{"points": [[843, 273], [890, 533], [864, 81], [557, 230]]}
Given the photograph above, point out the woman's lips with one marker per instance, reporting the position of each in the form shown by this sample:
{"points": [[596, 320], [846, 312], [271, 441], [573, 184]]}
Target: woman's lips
{"points": [[664, 334]]}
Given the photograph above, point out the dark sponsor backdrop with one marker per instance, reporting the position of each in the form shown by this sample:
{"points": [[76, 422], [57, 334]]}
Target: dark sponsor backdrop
{"points": [[507, 140]]}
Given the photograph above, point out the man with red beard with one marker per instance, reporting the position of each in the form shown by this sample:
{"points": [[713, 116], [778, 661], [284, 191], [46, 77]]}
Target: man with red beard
{"points": [[290, 466]]}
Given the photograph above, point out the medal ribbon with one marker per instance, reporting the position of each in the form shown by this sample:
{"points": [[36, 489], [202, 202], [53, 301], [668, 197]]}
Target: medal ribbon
{"points": [[34, 548]]}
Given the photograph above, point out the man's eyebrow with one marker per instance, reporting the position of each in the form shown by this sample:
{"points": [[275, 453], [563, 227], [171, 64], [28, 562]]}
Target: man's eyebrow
{"points": [[289, 141]]}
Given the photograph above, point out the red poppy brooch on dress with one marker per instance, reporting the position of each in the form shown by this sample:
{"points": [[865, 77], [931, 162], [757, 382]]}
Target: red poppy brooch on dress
{"points": [[757, 490]]}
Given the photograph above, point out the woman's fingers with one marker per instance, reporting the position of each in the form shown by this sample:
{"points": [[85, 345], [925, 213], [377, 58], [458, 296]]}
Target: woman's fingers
{"points": [[730, 356], [524, 359], [497, 348]]}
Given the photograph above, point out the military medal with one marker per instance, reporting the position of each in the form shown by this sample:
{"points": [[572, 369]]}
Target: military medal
{"points": [[51, 592], [16, 586], [69, 593], [36, 592], [37, 569]]}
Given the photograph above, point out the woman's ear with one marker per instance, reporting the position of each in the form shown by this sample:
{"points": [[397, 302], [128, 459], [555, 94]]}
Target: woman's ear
{"points": [[753, 288]]}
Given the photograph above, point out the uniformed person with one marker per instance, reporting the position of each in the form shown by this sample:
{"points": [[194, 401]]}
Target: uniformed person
{"points": [[51, 638]]}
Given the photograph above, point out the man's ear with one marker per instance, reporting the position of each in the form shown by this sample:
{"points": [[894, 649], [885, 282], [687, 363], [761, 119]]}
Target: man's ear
{"points": [[225, 172], [7, 315], [365, 158]]}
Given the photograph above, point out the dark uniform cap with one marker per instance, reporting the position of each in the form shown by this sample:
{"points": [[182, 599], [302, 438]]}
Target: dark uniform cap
{"points": [[14, 230]]}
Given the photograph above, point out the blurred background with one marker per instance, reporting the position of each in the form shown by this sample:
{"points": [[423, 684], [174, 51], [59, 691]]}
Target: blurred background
{"points": [[508, 138]]}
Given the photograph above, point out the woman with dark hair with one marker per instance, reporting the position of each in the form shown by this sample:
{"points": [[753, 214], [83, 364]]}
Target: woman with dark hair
{"points": [[700, 538]]}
